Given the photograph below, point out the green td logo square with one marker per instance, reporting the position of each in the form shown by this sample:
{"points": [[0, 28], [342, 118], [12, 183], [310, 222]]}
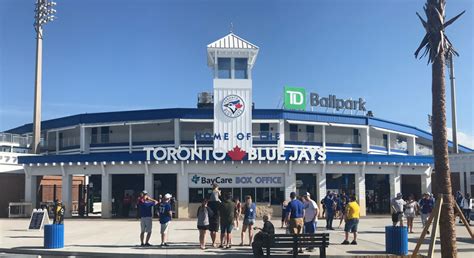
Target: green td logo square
{"points": [[295, 98]]}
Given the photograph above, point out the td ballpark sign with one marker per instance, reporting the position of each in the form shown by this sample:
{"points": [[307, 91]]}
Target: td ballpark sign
{"points": [[295, 98], [235, 154]]}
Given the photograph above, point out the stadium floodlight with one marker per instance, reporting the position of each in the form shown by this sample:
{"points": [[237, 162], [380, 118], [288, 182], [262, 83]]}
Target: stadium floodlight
{"points": [[44, 13]]}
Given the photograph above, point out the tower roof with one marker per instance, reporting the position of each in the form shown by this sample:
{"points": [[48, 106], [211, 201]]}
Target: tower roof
{"points": [[232, 41]]}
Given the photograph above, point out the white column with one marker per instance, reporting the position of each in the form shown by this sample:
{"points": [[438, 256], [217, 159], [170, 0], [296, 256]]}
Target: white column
{"points": [[290, 181], [411, 144], [321, 186], [365, 140], [30, 189], [281, 131], [360, 189], [177, 133], [66, 193], [461, 182], [82, 139], [323, 136], [149, 186], [395, 183], [57, 142], [183, 193], [106, 194], [426, 182], [130, 138], [388, 143], [468, 182]]}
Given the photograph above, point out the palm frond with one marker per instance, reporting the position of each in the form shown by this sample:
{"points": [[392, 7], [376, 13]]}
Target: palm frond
{"points": [[446, 24]]}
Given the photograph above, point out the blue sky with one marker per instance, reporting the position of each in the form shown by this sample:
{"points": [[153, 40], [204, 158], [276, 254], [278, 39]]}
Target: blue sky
{"points": [[120, 55]]}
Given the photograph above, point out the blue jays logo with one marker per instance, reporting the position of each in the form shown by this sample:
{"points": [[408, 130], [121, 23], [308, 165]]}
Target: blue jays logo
{"points": [[233, 106], [195, 179]]}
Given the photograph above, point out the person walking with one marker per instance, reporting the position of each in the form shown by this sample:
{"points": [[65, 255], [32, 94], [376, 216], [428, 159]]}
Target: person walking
{"points": [[264, 236], [426, 207], [311, 212], [126, 204], [145, 205], [226, 210], [397, 205], [250, 214], [165, 214], [330, 209], [203, 214], [411, 209], [466, 206], [237, 213], [352, 216], [295, 215], [283, 213]]}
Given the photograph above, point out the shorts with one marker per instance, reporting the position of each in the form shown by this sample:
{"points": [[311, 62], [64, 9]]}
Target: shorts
{"points": [[351, 225], [296, 225], [397, 216], [146, 224], [226, 228], [310, 227], [206, 227], [213, 226], [164, 228], [249, 222]]}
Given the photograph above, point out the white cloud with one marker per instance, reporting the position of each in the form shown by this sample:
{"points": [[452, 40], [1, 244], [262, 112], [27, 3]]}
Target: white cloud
{"points": [[464, 139]]}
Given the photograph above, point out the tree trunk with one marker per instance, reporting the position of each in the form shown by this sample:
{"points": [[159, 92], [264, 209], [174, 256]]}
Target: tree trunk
{"points": [[442, 172]]}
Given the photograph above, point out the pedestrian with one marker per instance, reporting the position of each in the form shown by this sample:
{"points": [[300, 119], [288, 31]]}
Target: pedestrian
{"points": [[145, 205], [237, 213], [126, 203], [214, 202], [250, 214], [397, 205], [203, 214], [426, 207], [311, 212], [330, 209], [165, 217], [466, 206], [226, 209], [265, 236], [352, 216], [411, 209], [283, 212], [295, 215], [458, 197], [343, 204]]}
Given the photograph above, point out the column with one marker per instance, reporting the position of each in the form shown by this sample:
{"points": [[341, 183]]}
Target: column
{"points": [[395, 184], [281, 132], [66, 192], [411, 145], [106, 197], [57, 142], [130, 138], [177, 133], [149, 186], [461, 182], [82, 138], [183, 193], [360, 191], [290, 181], [323, 136], [426, 182], [365, 140], [389, 143], [322, 187], [30, 189], [468, 182]]}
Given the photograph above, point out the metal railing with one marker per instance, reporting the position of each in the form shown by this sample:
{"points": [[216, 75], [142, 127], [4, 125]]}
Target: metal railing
{"points": [[22, 141], [19, 209]]}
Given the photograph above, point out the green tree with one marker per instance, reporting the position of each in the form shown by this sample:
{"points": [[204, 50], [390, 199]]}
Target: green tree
{"points": [[436, 47]]}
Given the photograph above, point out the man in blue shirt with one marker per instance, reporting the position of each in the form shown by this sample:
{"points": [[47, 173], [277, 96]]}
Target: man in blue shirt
{"points": [[426, 207], [145, 205], [330, 208], [165, 213], [295, 211]]}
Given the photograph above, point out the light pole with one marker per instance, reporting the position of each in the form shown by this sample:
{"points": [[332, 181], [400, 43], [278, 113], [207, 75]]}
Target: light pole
{"points": [[450, 65], [44, 13]]}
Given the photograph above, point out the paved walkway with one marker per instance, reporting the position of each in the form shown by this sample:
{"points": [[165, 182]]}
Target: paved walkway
{"points": [[116, 238]]}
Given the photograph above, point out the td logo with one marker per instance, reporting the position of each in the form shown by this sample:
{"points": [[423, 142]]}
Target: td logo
{"points": [[195, 179], [295, 98]]}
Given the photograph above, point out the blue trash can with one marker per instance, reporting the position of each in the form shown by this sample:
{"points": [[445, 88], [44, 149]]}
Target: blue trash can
{"points": [[53, 236], [396, 240]]}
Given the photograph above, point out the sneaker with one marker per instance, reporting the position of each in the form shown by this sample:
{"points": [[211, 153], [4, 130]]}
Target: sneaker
{"points": [[221, 246], [147, 244], [300, 251], [354, 242], [165, 244], [142, 244], [345, 242], [428, 232]]}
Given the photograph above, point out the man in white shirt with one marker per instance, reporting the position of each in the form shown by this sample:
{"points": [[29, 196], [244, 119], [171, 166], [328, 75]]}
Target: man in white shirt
{"points": [[310, 215], [397, 204]]}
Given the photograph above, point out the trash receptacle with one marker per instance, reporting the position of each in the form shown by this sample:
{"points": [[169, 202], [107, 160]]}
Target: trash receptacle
{"points": [[54, 236], [396, 240]]}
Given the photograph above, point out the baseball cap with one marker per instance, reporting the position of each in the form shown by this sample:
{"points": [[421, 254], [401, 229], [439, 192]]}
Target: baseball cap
{"points": [[167, 196], [307, 194], [399, 195], [144, 192]]}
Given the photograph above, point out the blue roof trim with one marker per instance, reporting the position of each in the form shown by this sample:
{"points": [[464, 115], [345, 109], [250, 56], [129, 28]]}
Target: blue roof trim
{"points": [[195, 113], [141, 156]]}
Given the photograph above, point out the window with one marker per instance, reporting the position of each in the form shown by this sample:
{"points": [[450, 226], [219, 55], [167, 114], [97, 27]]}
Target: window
{"points": [[104, 131], [385, 141], [263, 195], [248, 191], [196, 195], [355, 134], [278, 195], [310, 133], [224, 68], [225, 191], [94, 136], [236, 192], [293, 132], [240, 68]]}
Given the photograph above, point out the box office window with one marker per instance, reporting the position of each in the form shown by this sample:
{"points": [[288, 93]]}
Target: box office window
{"points": [[274, 195]]}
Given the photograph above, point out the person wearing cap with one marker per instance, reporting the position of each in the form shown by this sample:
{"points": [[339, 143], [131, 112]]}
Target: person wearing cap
{"points": [[165, 214], [145, 205], [397, 204], [311, 212], [426, 207], [294, 219]]}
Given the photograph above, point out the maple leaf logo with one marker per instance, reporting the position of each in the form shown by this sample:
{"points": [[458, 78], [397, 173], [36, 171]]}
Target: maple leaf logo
{"points": [[236, 153]]}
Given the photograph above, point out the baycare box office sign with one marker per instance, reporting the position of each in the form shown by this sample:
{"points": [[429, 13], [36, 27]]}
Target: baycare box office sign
{"points": [[197, 180]]}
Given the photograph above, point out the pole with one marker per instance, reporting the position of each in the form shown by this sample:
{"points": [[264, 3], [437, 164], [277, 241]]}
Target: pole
{"points": [[37, 98], [453, 104]]}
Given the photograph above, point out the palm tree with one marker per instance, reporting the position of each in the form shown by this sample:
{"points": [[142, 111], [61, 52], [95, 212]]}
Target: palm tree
{"points": [[437, 46]]}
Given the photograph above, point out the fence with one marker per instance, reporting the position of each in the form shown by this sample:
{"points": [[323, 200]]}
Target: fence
{"points": [[19, 209]]}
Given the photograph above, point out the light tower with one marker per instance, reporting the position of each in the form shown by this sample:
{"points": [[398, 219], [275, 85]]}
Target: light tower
{"points": [[232, 59], [44, 13]]}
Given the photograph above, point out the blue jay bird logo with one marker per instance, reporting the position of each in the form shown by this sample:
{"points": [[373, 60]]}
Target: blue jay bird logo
{"points": [[233, 106], [195, 179]]}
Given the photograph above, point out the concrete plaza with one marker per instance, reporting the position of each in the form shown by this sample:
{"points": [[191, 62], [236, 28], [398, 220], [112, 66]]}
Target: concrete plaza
{"points": [[119, 238]]}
